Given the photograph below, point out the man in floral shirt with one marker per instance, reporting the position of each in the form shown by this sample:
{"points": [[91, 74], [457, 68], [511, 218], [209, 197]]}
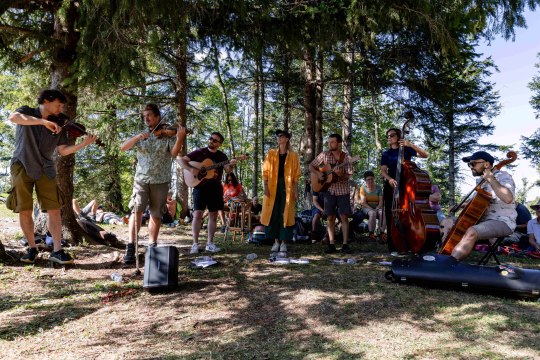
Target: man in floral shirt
{"points": [[152, 176]]}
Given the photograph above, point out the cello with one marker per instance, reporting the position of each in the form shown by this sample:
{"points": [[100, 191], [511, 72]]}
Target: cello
{"points": [[473, 211], [414, 225]]}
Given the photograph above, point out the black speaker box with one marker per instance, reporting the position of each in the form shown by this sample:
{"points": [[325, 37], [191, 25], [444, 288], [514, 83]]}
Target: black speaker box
{"points": [[161, 268]]}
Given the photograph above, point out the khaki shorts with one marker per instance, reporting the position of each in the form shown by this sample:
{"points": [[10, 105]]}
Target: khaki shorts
{"points": [[153, 195], [48, 193], [492, 229]]}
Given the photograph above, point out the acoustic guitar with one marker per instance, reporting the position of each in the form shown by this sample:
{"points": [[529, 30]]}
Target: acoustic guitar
{"points": [[207, 170], [328, 175]]}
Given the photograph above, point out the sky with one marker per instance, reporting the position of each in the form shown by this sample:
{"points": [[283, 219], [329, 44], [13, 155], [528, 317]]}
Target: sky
{"points": [[516, 62]]}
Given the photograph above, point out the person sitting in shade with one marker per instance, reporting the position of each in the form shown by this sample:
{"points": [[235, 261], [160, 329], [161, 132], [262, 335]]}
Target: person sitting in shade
{"points": [[533, 229]]}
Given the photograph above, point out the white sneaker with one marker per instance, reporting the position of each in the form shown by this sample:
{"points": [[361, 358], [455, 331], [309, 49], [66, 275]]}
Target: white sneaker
{"points": [[283, 247], [194, 249], [211, 247], [275, 248]]}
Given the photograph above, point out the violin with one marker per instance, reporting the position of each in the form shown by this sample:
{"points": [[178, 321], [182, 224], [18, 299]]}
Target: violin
{"points": [[72, 128], [165, 130]]}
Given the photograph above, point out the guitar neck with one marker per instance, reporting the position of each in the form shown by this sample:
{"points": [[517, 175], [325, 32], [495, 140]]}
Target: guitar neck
{"points": [[217, 165]]}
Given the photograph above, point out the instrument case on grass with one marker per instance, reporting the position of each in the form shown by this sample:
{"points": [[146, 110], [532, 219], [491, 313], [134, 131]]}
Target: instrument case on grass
{"points": [[161, 268], [443, 271]]}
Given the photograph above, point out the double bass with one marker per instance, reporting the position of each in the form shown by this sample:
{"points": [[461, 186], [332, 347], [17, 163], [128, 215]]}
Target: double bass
{"points": [[414, 225], [473, 211]]}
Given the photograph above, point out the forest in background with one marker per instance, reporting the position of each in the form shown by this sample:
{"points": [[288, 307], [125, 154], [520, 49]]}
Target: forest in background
{"points": [[246, 68]]}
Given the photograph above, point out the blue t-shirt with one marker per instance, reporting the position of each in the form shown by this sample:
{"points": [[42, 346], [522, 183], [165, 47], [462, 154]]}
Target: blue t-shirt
{"points": [[523, 214], [390, 158]]}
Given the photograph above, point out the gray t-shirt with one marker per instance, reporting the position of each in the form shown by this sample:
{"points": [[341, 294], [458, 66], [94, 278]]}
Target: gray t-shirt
{"points": [[35, 146]]}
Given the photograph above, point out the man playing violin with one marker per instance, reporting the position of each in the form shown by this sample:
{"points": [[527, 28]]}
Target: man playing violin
{"points": [[208, 194], [152, 176], [32, 166], [499, 220], [337, 199]]}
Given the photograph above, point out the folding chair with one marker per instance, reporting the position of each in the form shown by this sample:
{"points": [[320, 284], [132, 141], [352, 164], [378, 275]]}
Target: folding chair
{"points": [[491, 252]]}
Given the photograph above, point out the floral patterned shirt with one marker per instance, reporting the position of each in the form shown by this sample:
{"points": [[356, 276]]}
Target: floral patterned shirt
{"points": [[154, 160]]}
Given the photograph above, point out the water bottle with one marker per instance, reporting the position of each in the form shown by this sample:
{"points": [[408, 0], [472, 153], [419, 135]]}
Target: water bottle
{"points": [[351, 261], [251, 257], [116, 277]]}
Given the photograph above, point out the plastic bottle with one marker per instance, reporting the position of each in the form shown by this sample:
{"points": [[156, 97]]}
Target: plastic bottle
{"points": [[251, 257], [116, 277]]}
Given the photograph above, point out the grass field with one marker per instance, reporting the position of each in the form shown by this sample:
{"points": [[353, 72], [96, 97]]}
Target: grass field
{"points": [[251, 310]]}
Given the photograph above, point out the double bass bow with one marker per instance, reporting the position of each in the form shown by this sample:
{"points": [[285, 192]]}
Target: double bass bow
{"points": [[473, 211], [414, 225]]}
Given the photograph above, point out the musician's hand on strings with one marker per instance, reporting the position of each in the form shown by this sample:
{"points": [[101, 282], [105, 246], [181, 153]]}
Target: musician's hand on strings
{"points": [[181, 133], [488, 175], [194, 171], [404, 142], [339, 172], [392, 182], [89, 139]]}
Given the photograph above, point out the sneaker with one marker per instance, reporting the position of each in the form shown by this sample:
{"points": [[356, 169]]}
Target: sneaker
{"points": [[283, 247], [61, 257], [275, 247], [211, 247], [30, 255], [194, 249], [331, 249], [129, 257], [345, 249]]}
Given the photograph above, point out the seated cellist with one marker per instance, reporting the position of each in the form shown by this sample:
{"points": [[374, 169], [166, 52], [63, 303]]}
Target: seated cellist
{"points": [[500, 217]]}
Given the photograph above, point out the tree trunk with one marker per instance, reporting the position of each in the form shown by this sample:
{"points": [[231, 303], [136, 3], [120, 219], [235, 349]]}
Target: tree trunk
{"points": [[286, 92], [3, 255], [319, 88], [62, 77], [255, 180], [112, 183], [308, 140], [225, 97], [451, 159], [348, 93], [180, 99]]}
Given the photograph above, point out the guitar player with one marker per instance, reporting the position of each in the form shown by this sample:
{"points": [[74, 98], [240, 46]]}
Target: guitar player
{"points": [[207, 194], [337, 199]]}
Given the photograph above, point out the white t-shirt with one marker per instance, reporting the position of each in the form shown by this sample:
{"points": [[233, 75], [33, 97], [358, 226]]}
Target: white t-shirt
{"points": [[533, 227]]}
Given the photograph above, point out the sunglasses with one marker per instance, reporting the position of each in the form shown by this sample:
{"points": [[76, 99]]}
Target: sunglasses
{"points": [[280, 135], [473, 163], [214, 140], [391, 135]]}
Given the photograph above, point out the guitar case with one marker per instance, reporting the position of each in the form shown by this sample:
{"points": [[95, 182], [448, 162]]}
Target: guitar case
{"points": [[443, 271], [161, 269]]}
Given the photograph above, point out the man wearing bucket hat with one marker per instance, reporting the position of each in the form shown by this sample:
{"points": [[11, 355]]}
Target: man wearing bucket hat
{"points": [[533, 228], [500, 217]]}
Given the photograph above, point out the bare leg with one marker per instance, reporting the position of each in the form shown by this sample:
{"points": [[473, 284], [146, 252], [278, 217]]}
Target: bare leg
{"points": [[132, 232], [465, 246], [27, 226], [196, 225], [331, 228], [153, 228], [55, 228], [345, 227], [212, 217]]}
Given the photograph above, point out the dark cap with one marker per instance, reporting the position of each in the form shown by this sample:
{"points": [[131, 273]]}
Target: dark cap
{"points": [[100, 207], [279, 132], [536, 206], [479, 155]]}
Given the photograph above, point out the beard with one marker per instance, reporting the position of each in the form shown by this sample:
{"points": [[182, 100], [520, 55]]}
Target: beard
{"points": [[476, 173]]}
